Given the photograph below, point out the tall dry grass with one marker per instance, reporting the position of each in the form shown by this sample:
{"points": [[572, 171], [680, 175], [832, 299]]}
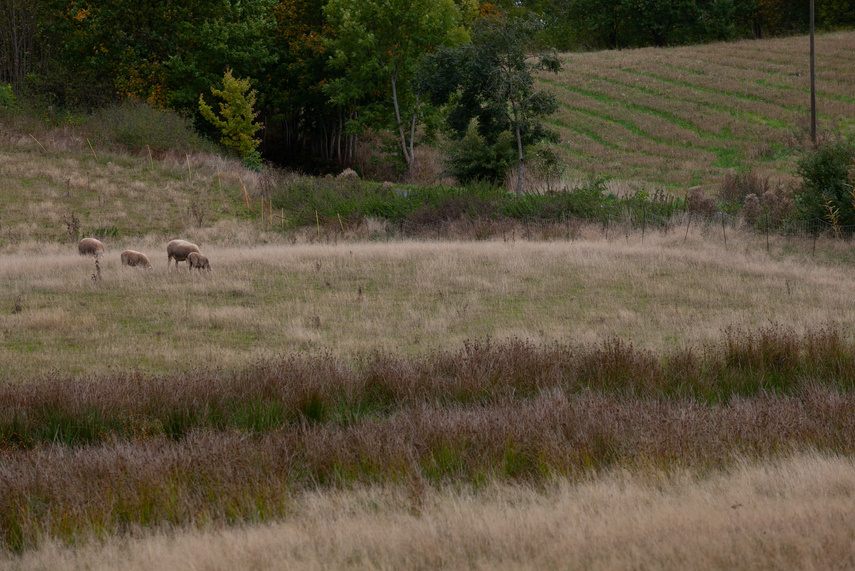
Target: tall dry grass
{"points": [[786, 513], [228, 477], [320, 388]]}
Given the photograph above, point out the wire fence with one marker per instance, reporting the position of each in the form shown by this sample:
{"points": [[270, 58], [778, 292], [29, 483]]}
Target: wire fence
{"points": [[569, 227]]}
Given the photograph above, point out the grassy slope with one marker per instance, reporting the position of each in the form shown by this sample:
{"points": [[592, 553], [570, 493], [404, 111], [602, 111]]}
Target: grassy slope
{"points": [[406, 298], [686, 116]]}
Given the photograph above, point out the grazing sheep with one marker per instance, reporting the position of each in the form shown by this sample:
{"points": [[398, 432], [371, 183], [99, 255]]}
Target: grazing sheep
{"points": [[179, 250], [90, 247], [133, 258], [197, 260]]}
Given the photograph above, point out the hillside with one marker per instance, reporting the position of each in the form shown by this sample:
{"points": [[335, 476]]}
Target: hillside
{"points": [[687, 116], [652, 118]]}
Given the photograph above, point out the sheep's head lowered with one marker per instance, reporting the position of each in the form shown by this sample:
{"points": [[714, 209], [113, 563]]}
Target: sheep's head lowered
{"points": [[197, 260], [178, 250], [135, 259], [90, 247]]}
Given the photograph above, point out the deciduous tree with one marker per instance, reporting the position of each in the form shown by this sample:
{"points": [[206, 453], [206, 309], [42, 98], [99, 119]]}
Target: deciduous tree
{"points": [[380, 43], [490, 81]]}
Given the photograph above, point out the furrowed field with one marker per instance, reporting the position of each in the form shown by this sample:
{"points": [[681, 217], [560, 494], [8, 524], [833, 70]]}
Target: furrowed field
{"points": [[687, 116], [348, 396]]}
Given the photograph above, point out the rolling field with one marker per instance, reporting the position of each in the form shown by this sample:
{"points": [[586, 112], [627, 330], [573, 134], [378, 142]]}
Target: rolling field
{"points": [[342, 398], [685, 116], [406, 298]]}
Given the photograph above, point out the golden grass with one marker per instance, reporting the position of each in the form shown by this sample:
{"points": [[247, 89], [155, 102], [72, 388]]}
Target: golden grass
{"points": [[406, 297], [788, 513]]}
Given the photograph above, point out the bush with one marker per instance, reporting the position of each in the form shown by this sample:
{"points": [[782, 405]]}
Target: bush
{"points": [[699, 202], [352, 200], [825, 185], [7, 97], [474, 159], [752, 210], [135, 125]]}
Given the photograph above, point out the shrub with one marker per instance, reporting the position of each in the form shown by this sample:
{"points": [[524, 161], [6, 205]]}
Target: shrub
{"points": [[7, 97], [472, 158], [825, 181], [736, 187], [752, 210], [778, 202], [136, 125], [700, 203], [236, 120]]}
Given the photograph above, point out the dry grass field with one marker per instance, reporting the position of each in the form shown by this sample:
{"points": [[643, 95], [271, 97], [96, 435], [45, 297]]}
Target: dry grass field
{"points": [[406, 298], [344, 398], [795, 513]]}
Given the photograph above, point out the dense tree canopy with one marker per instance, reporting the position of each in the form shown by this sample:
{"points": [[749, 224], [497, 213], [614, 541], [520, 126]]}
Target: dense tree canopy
{"points": [[379, 43], [489, 81]]}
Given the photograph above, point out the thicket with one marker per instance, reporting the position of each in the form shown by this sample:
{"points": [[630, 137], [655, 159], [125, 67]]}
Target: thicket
{"points": [[327, 200], [139, 127], [828, 187], [112, 454]]}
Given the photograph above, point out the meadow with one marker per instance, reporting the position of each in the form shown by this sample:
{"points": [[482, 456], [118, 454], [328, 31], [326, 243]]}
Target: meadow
{"points": [[407, 297], [345, 395], [155, 410]]}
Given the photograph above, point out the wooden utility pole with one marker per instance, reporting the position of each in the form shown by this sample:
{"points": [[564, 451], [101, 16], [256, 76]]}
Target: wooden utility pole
{"points": [[812, 80]]}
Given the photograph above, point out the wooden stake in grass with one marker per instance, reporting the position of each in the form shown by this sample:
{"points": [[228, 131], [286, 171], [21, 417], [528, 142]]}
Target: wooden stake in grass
{"points": [[92, 149], [643, 223], [189, 172], [150, 159], [339, 223], [245, 195], [283, 219], [219, 182], [318, 222], [39, 144], [689, 223]]}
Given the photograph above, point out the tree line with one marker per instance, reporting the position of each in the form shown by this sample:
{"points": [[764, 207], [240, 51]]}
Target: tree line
{"points": [[611, 24], [323, 72]]}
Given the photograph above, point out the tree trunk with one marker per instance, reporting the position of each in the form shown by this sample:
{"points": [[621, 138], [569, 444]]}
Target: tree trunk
{"points": [[519, 152], [408, 157]]}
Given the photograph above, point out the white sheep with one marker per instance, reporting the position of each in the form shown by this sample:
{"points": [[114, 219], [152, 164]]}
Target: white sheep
{"points": [[133, 258], [90, 247], [179, 250]]}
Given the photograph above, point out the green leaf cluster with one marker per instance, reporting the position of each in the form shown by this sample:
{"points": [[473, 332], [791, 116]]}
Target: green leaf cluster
{"points": [[489, 82], [827, 174], [236, 119]]}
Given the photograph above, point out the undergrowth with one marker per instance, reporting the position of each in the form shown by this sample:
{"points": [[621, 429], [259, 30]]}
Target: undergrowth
{"points": [[308, 201]]}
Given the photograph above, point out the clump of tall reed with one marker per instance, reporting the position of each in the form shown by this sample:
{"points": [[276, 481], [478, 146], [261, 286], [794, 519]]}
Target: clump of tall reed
{"points": [[212, 477], [321, 388]]}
